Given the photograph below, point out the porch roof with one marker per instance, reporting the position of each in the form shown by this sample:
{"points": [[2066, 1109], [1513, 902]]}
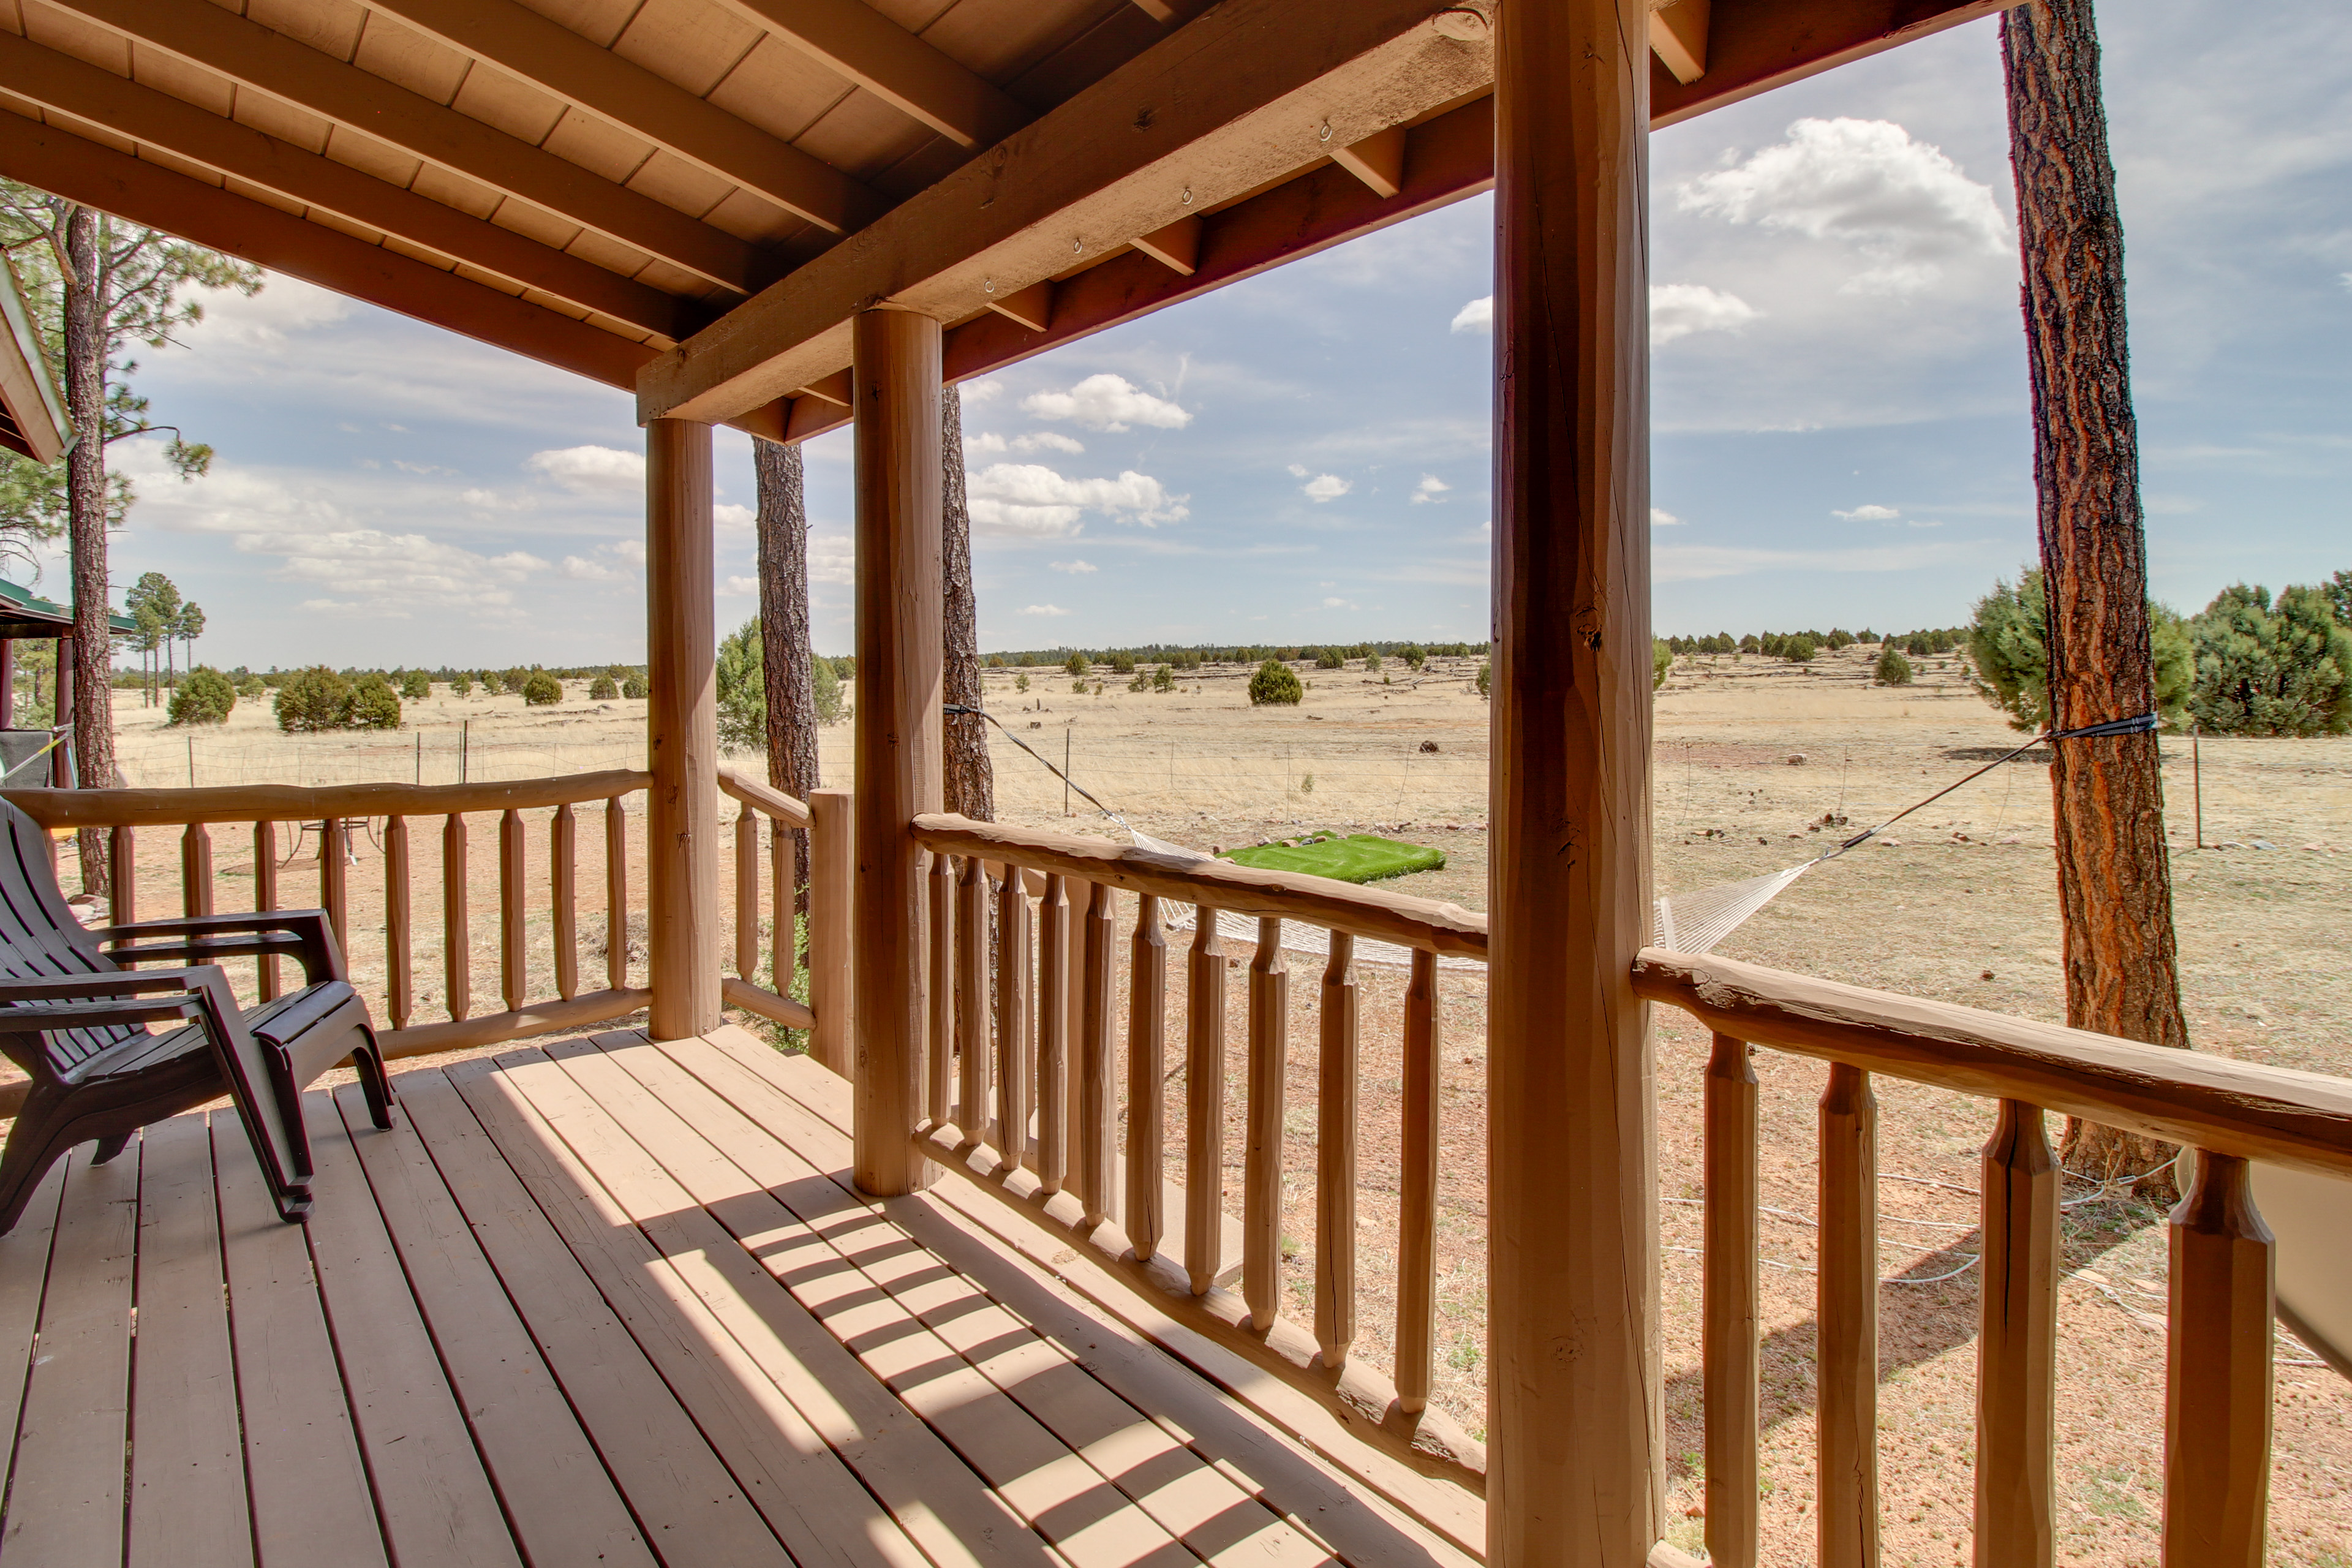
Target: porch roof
{"points": [[690, 200], [25, 614]]}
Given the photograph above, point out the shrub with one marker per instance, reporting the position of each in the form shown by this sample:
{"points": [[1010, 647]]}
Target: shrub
{"points": [[1329, 658], [1274, 682], [1122, 664], [2012, 665], [1077, 666], [514, 679], [1838, 639], [2272, 670], [742, 691], [1892, 668], [312, 699], [603, 688], [204, 697], [1078, 687], [2338, 590], [416, 685], [540, 689], [635, 687], [459, 686], [491, 684], [1163, 679], [1485, 678], [1137, 681], [828, 690], [1661, 660], [1371, 662], [374, 704], [1800, 649], [1021, 683], [252, 687], [846, 667], [1413, 656]]}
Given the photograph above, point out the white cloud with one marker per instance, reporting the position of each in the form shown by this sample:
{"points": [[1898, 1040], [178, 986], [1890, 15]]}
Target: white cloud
{"points": [[1030, 500], [1047, 441], [581, 569], [1429, 489], [1936, 524], [727, 514], [986, 441], [1325, 487], [981, 391], [1679, 309], [1903, 205], [1042, 610], [1107, 401], [591, 470], [1869, 513], [1661, 518], [1478, 316], [1075, 568], [737, 587], [1338, 605], [284, 307], [1696, 563], [832, 558], [632, 551], [490, 500]]}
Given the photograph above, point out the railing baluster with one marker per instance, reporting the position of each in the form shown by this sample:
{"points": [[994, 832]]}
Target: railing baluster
{"points": [[1012, 1024], [1732, 1351], [2017, 1345], [1097, 1085], [940, 992], [1269, 1060], [616, 894], [563, 888], [1053, 1034], [335, 879], [122, 877], [1204, 1104], [265, 896], [196, 871], [1846, 1353], [832, 822], [2218, 1371], [784, 933], [396, 932], [1417, 1188], [975, 1081], [457, 926], [1147, 1074], [1335, 1157], [512, 954], [747, 895]]}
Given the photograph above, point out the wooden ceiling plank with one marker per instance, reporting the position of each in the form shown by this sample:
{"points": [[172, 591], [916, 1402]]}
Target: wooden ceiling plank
{"points": [[79, 170], [1678, 38], [158, 119], [558, 60], [206, 34], [914, 76], [1377, 159]]}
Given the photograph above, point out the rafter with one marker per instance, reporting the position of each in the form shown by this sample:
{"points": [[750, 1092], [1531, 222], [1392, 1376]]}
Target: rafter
{"points": [[67, 86], [859, 42], [560, 62], [205, 35]]}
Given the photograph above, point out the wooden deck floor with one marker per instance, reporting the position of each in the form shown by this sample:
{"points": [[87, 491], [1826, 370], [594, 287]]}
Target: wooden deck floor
{"points": [[604, 1302]]}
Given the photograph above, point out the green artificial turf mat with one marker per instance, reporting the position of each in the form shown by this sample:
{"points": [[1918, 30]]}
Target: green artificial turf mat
{"points": [[1357, 857]]}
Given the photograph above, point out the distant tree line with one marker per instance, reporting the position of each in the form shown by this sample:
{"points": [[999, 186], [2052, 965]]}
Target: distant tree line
{"points": [[1323, 656]]}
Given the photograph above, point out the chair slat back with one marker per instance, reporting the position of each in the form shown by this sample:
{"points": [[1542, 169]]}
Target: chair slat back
{"points": [[39, 936]]}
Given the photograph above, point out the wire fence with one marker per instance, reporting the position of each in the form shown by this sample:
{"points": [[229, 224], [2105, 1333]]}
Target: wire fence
{"points": [[187, 759]]}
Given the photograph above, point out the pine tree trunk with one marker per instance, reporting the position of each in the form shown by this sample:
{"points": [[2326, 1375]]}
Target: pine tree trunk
{"points": [[788, 681], [970, 777], [2114, 878], [85, 352]]}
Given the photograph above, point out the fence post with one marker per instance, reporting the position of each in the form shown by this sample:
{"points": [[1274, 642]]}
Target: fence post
{"points": [[831, 992]]}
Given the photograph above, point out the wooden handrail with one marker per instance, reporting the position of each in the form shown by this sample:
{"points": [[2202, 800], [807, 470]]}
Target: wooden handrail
{"points": [[301, 803], [2225, 1107], [1444, 929], [760, 798]]}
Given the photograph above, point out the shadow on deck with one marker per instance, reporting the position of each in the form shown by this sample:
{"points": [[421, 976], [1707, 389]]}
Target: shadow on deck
{"points": [[605, 1302]]}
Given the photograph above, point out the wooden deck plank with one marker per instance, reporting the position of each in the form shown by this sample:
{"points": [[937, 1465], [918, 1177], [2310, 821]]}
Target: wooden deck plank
{"points": [[435, 1500], [187, 1462], [65, 1497], [301, 1454], [558, 1498], [24, 1276], [689, 1504], [816, 1508], [1031, 1470], [1132, 1348], [1178, 1491]]}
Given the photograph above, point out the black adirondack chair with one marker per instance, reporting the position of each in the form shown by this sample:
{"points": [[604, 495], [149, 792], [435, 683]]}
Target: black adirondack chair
{"points": [[75, 1014]]}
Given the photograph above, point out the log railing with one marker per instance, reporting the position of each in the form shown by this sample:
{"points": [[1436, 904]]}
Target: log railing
{"points": [[825, 818], [2218, 1390], [1023, 1093]]}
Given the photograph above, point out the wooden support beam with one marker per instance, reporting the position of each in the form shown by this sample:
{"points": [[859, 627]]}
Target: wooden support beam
{"points": [[1678, 38], [67, 86], [814, 417], [561, 63], [1377, 159], [1755, 46], [268, 61], [1574, 1396], [898, 746], [682, 719], [859, 42], [1177, 246], [1032, 307], [83, 171], [832, 389]]}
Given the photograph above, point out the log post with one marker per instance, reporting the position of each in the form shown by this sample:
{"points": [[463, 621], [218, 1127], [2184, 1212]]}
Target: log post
{"points": [[682, 807], [2218, 1371], [2017, 1346], [1576, 1453], [832, 963], [896, 381]]}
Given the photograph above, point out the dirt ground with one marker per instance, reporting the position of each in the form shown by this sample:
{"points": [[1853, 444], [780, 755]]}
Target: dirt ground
{"points": [[1956, 902]]}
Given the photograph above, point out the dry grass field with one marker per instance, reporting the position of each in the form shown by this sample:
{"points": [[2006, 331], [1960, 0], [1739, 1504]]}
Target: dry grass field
{"points": [[1956, 902]]}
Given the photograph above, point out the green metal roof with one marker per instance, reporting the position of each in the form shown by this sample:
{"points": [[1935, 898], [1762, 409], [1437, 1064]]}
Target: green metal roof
{"points": [[25, 614]]}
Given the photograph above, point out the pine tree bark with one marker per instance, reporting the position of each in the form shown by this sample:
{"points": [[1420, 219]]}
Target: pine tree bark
{"points": [[970, 777], [787, 681], [2115, 878], [93, 642]]}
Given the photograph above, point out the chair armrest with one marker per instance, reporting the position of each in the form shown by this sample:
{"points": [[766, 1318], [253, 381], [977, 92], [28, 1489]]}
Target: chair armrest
{"points": [[64, 987], [96, 1000], [306, 935]]}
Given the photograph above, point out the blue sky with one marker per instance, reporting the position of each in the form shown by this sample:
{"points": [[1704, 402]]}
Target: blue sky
{"points": [[1839, 404]]}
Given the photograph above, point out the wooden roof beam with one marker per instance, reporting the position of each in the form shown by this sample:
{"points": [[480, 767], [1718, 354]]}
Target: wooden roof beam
{"points": [[1755, 46], [855, 41], [1678, 38], [67, 86], [560, 62], [245, 52]]}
